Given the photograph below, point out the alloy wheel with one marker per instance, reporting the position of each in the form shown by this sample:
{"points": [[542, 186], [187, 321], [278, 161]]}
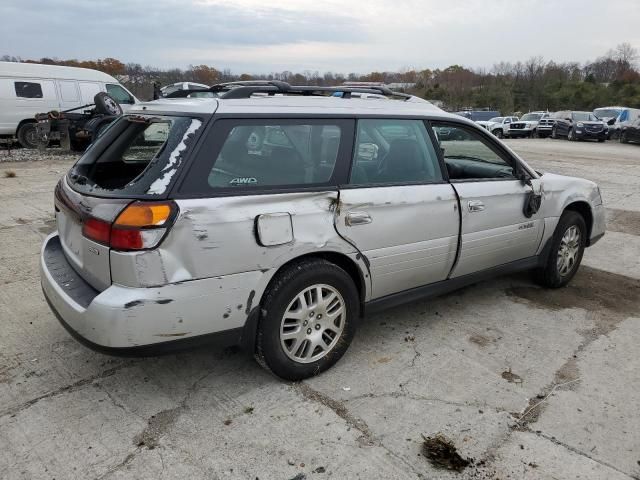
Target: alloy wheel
{"points": [[313, 323], [568, 250]]}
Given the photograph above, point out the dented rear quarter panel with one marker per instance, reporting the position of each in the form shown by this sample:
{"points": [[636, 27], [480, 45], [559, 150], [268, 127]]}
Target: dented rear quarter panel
{"points": [[217, 237]]}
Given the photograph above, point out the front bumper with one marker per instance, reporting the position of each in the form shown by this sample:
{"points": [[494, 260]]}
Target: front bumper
{"points": [[140, 321], [585, 134], [520, 132]]}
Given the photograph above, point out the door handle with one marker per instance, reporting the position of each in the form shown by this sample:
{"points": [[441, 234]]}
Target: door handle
{"points": [[357, 218], [475, 206]]}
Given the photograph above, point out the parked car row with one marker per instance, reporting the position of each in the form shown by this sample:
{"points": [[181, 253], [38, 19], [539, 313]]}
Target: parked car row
{"points": [[602, 124]]}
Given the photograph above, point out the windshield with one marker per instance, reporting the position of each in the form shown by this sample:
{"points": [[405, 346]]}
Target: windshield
{"points": [[531, 117], [606, 112], [497, 119], [137, 155], [584, 117]]}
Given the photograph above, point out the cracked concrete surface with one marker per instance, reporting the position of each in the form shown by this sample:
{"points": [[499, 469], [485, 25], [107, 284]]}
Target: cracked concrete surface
{"points": [[423, 368]]}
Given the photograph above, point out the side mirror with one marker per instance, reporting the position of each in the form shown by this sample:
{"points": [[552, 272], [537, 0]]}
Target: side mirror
{"points": [[568, 119], [611, 121]]}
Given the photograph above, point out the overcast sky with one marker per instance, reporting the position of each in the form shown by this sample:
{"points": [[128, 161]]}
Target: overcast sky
{"points": [[256, 36]]}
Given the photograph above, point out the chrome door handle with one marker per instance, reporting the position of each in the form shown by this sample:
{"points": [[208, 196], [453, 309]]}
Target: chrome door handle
{"points": [[357, 218], [475, 206]]}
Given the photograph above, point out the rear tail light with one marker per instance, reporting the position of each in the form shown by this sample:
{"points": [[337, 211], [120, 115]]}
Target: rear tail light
{"points": [[140, 226]]}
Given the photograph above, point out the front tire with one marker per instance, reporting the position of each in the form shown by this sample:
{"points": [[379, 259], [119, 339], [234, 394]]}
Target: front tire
{"points": [[565, 254], [571, 136], [624, 138], [498, 133], [309, 317], [554, 133]]}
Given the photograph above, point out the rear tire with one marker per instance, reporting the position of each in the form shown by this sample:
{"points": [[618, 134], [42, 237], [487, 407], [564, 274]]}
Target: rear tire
{"points": [[309, 316], [27, 135], [565, 254]]}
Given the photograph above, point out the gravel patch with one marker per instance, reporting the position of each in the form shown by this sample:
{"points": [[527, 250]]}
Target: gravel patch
{"points": [[32, 155]]}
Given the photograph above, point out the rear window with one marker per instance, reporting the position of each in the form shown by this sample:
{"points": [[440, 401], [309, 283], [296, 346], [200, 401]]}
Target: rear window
{"points": [[271, 153], [28, 89], [136, 156]]}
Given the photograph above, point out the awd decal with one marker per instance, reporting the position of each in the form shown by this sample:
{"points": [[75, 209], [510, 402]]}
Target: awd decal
{"points": [[243, 181], [524, 226]]}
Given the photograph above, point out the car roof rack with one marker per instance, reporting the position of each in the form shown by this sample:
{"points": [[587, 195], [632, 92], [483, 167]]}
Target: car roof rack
{"points": [[245, 89]]}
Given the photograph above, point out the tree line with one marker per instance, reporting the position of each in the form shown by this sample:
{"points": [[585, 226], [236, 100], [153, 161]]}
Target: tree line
{"points": [[535, 84]]}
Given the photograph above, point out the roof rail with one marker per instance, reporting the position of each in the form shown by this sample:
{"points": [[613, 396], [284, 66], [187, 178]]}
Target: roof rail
{"points": [[231, 90], [245, 89]]}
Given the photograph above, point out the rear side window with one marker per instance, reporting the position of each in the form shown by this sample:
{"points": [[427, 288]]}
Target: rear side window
{"points": [[257, 154], [394, 151], [28, 89], [137, 155]]}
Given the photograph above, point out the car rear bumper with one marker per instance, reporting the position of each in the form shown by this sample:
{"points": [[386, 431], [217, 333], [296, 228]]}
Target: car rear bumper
{"points": [[141, 321]]}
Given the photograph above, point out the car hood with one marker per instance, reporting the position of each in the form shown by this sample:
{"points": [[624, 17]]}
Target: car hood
{"points": [[528, 122]]}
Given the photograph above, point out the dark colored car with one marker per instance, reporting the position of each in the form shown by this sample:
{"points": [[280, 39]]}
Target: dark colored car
{"points": [[631, 133], [579, 126]]}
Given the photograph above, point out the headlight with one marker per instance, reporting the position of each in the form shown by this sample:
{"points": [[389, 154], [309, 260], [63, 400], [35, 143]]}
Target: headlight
{"points": [[580, 124]]}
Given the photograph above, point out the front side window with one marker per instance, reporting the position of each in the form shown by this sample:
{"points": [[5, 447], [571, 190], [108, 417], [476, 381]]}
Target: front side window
{"points": [[28, 89], [275, 153], [119, 94], [393, 151], [468, 155]]}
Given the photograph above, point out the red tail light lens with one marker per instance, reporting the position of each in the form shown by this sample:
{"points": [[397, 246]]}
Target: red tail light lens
{"points": [[126, 239], [97, 230], [140, 226]]}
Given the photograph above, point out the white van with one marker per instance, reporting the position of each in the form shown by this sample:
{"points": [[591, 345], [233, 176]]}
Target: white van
{"points": [[30, 88], [623, 116]]}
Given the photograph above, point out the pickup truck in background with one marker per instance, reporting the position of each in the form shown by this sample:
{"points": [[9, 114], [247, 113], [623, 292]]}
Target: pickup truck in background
{"points": [[527, 126], [499, 126]]}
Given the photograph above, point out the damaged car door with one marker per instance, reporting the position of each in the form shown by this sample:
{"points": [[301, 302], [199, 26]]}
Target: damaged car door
{"points": [[499, 202], [398, 209]]}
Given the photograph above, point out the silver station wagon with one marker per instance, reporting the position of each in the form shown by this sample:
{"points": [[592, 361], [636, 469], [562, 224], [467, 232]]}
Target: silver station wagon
{"points": [[277, 217]]}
